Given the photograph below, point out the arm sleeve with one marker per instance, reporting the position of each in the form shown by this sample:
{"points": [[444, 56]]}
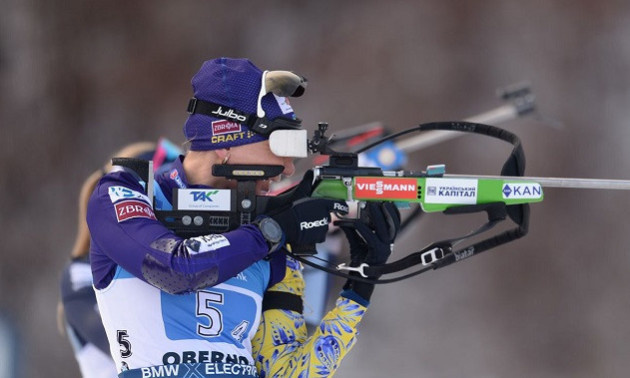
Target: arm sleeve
{"points": [[80, 309], [126, 233], [282, 347]]}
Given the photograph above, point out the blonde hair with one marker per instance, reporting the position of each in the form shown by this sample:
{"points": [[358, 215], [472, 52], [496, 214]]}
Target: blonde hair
{"points": [[82, 241]]}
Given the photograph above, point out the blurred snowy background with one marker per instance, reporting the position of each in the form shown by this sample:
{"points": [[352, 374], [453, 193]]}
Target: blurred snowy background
{"points": [[80, 79]]}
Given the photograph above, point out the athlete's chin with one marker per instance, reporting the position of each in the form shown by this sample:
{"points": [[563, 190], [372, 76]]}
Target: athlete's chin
{"points": [[262, 190]]}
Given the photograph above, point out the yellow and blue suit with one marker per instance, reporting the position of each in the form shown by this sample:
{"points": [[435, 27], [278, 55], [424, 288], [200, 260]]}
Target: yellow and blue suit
{"points": [[281, 346]]}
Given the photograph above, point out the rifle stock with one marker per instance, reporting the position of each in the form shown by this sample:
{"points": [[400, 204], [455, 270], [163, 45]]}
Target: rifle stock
{"points": [[434, 194]]}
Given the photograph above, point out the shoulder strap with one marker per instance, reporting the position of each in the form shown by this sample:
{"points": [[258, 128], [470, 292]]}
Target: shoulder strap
{"points": [[143, 168], [140, 166]]}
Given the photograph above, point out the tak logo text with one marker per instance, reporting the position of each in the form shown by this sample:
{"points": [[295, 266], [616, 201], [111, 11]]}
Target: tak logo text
{"points": [[203, 196]]}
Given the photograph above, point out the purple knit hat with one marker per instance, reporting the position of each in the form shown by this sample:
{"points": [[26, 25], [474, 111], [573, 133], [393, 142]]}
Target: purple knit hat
{"points": [[233, 83]]}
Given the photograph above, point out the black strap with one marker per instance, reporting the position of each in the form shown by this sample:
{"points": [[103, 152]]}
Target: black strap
{"points": [[197, 106], [444, 252], [139, 166], [260, 125], [281, 300], [519, 214], [496, 213]]}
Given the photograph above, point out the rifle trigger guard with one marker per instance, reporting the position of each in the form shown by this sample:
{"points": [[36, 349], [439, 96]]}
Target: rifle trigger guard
{"points": [[358, 269]]}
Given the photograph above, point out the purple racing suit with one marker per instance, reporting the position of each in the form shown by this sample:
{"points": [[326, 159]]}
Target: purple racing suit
{"points": [[170, 303], [126, 233]]}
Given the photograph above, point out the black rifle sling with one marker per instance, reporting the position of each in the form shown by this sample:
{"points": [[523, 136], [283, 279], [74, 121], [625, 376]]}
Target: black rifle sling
{"points": [[442, 253]]}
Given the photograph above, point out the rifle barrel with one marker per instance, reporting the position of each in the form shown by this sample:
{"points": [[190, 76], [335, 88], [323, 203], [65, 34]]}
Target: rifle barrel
{"points": [[560, 182]]}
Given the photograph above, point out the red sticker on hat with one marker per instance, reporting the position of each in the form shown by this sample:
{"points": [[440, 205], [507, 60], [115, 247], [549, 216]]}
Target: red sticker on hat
{"points": [[133, 209], [225, 127], [382, 187]]}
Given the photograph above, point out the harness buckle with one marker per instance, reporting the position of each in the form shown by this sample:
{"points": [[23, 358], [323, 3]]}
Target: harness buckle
{"points": [[431, 256], [358, 269], [192, 106]]}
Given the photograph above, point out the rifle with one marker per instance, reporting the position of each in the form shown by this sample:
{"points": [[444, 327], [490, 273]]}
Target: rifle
{"points": [[199, 212], [499, 197]]}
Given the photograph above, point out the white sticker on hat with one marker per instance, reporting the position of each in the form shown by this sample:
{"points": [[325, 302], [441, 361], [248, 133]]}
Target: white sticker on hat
{"points": [[284, 104]]}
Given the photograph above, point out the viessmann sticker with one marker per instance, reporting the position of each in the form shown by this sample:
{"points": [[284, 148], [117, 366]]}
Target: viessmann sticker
{"points": [[455, 191], [384, 187]]}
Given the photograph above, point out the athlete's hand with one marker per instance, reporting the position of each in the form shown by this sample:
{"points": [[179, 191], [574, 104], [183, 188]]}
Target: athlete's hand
{"points": [[371, 239], [307, 220]]}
